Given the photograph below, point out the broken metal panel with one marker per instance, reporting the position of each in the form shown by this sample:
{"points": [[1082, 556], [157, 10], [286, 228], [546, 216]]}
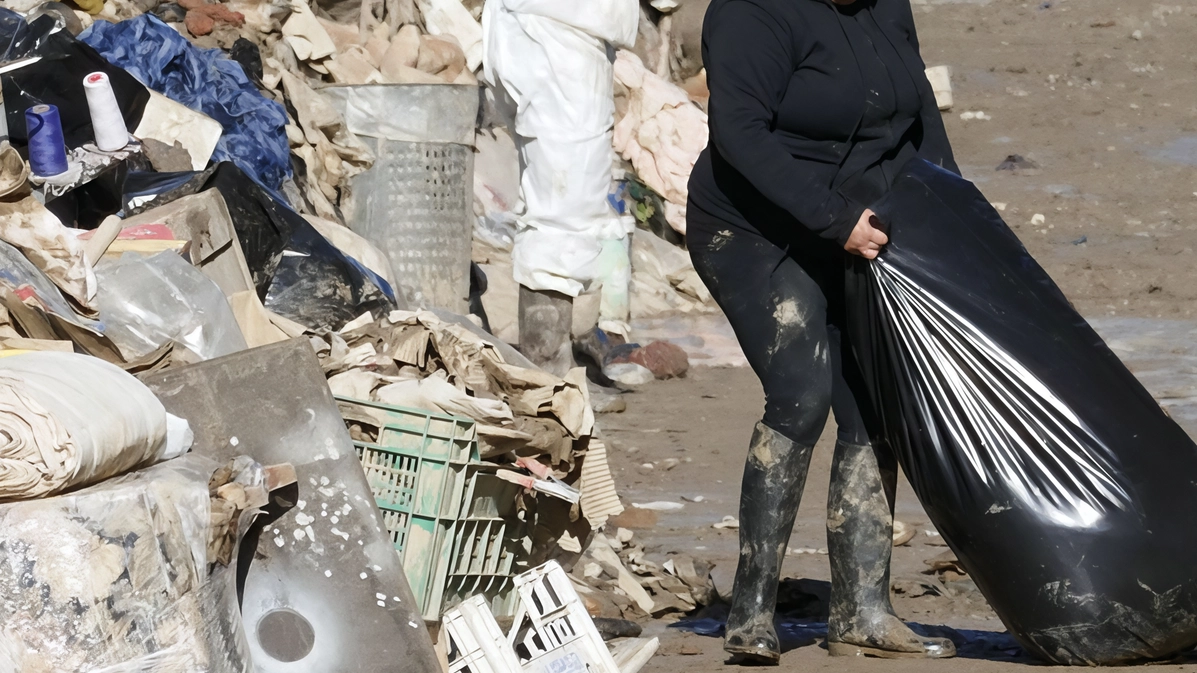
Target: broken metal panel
{"points": [[325, 590]]}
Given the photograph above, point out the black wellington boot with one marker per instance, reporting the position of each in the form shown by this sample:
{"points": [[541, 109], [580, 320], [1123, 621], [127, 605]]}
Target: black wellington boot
{"points": [[774, 476], [860, 523]]}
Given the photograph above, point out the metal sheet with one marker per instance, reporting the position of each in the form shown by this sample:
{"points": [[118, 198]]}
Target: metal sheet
{"points": [[325, 590]]}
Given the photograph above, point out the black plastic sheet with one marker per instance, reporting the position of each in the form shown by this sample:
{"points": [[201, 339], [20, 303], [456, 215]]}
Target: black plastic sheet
{"points": [[1061, 484], [57, 79], [298, 273]]}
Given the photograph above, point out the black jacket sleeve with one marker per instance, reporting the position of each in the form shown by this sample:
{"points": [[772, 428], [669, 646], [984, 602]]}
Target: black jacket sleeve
{"points": [[935, 147], [749, 66]]}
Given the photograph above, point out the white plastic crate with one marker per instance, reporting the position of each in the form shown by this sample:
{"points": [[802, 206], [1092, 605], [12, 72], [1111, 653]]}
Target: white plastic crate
{"points": [[552, 632], [476, 643]]}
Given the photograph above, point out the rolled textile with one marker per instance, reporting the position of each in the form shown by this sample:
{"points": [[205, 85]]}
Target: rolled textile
{"points": [[69, 420]]}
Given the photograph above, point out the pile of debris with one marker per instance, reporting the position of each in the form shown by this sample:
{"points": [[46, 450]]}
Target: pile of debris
{"points": [[197, 238], [421, 361], [616, 580]]}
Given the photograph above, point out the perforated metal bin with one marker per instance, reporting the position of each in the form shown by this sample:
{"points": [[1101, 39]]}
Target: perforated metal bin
{"points": [[416, 202]]}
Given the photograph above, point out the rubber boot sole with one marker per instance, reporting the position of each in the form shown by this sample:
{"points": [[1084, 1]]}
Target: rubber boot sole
{"points": [[750, 657], [850, 650]]}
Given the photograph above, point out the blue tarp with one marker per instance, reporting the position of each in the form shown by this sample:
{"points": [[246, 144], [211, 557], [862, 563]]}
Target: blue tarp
{"points": [[254, 138]]}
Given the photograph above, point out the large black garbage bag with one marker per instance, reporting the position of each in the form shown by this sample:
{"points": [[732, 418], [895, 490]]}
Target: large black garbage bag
{"points": [[1064, 488]]}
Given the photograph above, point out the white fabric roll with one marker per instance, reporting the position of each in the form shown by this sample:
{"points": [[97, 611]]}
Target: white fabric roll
{"points": [[68, 420], [106, 120]]}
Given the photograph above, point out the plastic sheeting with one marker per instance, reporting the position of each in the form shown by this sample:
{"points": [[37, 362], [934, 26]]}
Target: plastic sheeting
{"points": [[114, 578], [551, 60], [298, 273], [1063, 487], [205, 80], [70, 420], [57, 78], [148, 302]]}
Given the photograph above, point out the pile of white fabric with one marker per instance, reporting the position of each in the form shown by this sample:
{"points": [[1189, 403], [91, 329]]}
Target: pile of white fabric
{"points": [[68, 420]]}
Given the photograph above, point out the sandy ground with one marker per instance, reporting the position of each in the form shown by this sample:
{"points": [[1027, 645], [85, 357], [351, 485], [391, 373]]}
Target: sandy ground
{"points": [[1102, 96]]}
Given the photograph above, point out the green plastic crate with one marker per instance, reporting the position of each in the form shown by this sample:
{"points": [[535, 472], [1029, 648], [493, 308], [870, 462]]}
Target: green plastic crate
{"points": [[491, 545], [452, 521]]}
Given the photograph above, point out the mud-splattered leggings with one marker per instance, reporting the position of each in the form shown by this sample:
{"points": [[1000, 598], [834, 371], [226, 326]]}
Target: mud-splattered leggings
{"points": [[784, 301]]}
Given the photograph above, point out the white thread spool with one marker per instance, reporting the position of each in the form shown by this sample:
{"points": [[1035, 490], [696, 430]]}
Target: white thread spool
{"points": [[106, 119]]}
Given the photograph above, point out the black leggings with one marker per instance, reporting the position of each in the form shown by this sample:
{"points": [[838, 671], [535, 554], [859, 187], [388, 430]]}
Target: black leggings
{"points": [[784, 300]]}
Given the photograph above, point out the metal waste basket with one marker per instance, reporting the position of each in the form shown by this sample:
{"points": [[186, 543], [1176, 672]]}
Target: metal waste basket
{"points": [[416, 202]]}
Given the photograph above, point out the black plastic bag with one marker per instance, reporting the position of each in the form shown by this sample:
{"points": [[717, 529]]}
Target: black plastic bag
{"points": [[298, 273], [1063, 487]]}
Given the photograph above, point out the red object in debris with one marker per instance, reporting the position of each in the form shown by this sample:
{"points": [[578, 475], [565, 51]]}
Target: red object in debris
{"points": [[201, 17], [141, 232], [664, 359]]}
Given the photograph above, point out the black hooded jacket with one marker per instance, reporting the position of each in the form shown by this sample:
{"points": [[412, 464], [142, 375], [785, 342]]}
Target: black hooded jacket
{"points": [[814, 107]]}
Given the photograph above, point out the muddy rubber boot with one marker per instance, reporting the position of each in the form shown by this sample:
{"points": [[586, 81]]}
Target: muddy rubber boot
{"points": [[774, 476], [546, 318], [860, 541]]}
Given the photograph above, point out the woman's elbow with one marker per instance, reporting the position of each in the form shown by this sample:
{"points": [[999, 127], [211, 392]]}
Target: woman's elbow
{"points": [[738, 140]]}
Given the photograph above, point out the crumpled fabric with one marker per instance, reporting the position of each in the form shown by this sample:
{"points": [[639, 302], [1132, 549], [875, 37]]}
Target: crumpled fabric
{"points": [[451, 18], [254, 137], [661, 133], [37, 233], [69, 420], [550, 61], [306, 36], [437, 394], [330, 152]]}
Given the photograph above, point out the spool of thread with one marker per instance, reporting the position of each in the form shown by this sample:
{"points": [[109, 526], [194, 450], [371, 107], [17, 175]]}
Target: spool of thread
{"points": [[47, 150], [106, 119]]}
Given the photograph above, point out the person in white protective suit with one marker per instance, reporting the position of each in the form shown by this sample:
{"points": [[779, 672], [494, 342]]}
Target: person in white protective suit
{"points": [[553, 61]]}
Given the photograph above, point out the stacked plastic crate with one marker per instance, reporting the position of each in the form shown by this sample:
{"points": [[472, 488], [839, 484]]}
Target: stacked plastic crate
{"points": [[452, 521]]}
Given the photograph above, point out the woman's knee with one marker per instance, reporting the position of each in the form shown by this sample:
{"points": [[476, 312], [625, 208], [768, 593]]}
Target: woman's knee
{"points": [[797, 407]]}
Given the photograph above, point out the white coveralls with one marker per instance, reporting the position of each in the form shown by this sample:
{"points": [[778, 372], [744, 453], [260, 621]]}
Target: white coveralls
{"points": [[553, 58]]}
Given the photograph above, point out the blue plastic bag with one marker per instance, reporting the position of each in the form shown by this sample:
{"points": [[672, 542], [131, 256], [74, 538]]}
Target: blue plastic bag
{"points": [[254, 137]]}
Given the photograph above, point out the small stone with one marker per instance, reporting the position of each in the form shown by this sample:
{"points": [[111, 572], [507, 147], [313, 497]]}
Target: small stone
{"points": [[1137, 35], [635, 519], [664, 359], [1038, 219], [629, 374], [670, 463]]}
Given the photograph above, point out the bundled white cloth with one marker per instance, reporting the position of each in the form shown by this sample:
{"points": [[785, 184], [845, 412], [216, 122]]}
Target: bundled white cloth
{"points": [[662, 133], [69, 420], [552, 60]]}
